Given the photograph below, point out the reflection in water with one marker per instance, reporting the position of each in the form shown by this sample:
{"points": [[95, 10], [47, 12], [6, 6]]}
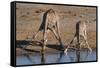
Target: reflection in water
{"points": [[28, 57], [60, 56], [32, 57], [37, 58], [42, 58]]}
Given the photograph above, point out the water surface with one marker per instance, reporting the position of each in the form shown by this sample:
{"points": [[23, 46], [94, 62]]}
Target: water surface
{"points": [[37, 58]]}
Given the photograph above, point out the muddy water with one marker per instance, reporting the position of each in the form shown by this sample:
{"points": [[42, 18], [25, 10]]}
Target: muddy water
{"points": [[32, 59]]}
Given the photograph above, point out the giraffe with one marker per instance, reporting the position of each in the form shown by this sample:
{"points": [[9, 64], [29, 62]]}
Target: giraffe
{"points": [[81, 32], [50, 22]]}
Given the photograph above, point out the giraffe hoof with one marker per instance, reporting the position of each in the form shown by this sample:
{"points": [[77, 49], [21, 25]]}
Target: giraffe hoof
{"points": [[65, 51], [90, 50]]}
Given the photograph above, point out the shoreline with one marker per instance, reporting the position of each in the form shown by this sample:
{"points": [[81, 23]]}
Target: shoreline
{"points": [[37, 50]]}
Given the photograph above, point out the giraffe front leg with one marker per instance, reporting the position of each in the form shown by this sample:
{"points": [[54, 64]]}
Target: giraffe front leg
{"points": [[57, 37], [85, 38], [44, 44], [90, 49], [44, 39], [66, 50], [58, 33], [81, 43], [68, 46], [34, 36]]}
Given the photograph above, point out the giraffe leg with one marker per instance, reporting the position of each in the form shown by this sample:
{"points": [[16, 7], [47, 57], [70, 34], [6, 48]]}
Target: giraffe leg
{"points": [[81, 43], [44, 39], [58, 33], [89, 47], [57, 37], [87, 44], [35, 35], [85, 37], [73, 39], [66, 49]]}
